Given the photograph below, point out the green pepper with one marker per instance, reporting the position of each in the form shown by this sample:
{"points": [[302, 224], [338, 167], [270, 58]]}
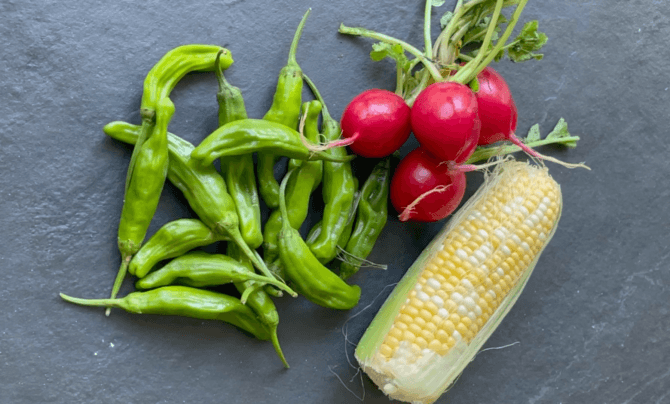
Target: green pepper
{"points": [[259, 301], [305, 179], [148, 163], [191, 178], [143, 192], [204, 189], [201, 269], [338, 190], [238, 171], [348, 228], [315, 232], [229, 97], [164, 76], [145, 187], [252, 135], [161, 80], [187, 302], [285, 109], [370, 218], [172, 240], [307, 275]]}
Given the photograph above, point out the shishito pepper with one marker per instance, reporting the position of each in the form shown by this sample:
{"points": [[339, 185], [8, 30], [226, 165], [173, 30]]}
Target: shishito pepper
{"points": [[305, 179], [238, 171], [149, 161], [285, 109], [257, 135], [187, 302], [172, 240], [338, 190], [307, 275], [259, 301], [371, 216], [204, 189], [201, 269]]}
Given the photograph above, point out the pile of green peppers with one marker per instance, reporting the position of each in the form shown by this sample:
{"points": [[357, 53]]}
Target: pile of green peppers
{"points": [[175, 277]]}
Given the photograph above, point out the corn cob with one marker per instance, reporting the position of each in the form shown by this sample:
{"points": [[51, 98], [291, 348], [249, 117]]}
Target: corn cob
{"points": [[459, 289]]}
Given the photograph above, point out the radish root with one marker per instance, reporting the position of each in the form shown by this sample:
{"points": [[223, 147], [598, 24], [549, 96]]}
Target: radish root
{"points": [[517, 142], [407, 212], [349, 258], [321, 147], [464, 168]]}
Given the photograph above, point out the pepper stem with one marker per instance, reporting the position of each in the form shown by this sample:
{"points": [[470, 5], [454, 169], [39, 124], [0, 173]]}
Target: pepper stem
{"points": [[324, 109], [236, 237], [218, 71], [92, 302], [245, 295], [262, 280], [120, 276], [296, 38]]}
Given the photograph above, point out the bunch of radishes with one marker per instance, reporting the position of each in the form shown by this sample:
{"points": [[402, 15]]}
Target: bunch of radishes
{"points": [[449, 120], [454, 103]]}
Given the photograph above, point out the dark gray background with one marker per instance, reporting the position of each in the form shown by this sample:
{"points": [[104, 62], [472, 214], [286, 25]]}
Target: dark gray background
{"points": [[591, 327]]}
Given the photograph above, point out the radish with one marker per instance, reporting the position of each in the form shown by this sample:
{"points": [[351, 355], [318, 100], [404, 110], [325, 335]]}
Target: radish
{"points": [[375, 123], [425, 190], [445, 117], [446, 122], [497, 110]]}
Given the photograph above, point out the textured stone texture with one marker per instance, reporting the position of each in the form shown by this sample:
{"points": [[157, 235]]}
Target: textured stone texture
{"points": [[592, 325]]}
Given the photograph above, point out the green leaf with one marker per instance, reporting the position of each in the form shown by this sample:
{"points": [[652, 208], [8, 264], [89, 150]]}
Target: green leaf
{"points": [[529, 41], [444, 21], [381, 50], [437, 3], [559, 135], [533, 134], [410, 84], [561, 132], [499, 55], [474, 85], [477, 32]]}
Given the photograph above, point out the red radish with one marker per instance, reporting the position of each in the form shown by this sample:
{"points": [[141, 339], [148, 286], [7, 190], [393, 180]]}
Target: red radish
{"points": [[424, 189], [497, 110], [445, 121], [375, 123]]}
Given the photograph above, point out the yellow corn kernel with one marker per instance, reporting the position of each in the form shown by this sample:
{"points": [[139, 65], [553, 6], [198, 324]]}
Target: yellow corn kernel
{"points": [[470, 277]]}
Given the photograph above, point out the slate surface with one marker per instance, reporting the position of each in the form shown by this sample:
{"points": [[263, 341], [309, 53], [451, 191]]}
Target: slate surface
{"points": [[592, 325]]}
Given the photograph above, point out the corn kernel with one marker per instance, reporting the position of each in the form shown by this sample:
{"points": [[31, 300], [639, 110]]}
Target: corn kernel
{"points": [[385, 350]]}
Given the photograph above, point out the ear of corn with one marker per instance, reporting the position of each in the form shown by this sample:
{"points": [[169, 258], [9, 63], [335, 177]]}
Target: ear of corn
{"points": [[463, 284]]}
